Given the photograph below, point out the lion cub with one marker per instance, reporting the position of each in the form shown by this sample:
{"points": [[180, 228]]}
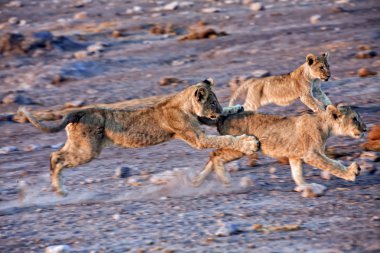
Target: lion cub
{"points": [[303, 83], [299, 138], [175, 117]]}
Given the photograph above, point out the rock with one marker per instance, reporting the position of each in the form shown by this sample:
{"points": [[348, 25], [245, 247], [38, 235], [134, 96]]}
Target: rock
{"points": [[272, 170], [200, 31], [367, 166], [23, 186], [57, 79], [33, 147], [311, 190], [12, 43], [337, 9], [13, 20], [171, 6], [375, 218], [58, 249], [95, 48], [137, 9], [80, 55], [80, 15], [116, 216], [57, 146], [7, 150], [325, 175], [227, 229], [210, 10], [117, 34], [75, 103], [160, 29], [315, 19], [257, 6], [22, 22], [247, 182], [366, 54], [16, 4], [122, 172], [364, 72], [18, 98], [260, 73], [170, 81]]}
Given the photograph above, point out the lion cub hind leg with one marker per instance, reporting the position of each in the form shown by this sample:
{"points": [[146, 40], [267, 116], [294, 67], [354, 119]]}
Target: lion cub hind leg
{"points": [[216, 162], [83, 145], [334, 167]]}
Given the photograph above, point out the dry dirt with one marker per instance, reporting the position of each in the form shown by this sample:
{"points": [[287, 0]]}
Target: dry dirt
{"points": [[139, 44]]}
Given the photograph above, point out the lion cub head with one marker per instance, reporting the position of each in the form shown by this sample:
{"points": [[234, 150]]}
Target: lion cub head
{"points": [[318, 66], [205, 103], [345, 121]]}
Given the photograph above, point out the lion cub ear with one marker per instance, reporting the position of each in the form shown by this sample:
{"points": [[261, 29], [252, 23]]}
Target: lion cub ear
{"points": [[333, 111], [325, 55], [310, 59], [209, 81], [201, 94]]}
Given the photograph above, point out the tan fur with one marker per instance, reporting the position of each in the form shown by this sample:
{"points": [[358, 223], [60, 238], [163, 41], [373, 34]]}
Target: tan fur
{"points": [[299, 138], [303, 83], [176, 117]]}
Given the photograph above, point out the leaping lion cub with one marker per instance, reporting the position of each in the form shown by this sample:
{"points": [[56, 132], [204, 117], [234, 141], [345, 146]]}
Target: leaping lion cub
{"points": [[175, 117], [303, 83], [299, 138]]}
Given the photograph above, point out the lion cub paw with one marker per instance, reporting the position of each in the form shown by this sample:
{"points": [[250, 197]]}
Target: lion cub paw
{"points": [[250, 144], [352, 172], [311, 190]]}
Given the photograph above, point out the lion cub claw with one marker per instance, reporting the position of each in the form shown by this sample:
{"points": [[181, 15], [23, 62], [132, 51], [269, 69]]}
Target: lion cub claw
{"points": [[353, 171]]}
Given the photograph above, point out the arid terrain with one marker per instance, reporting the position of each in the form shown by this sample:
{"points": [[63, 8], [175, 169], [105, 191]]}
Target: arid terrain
{"points": [[58, 54]]}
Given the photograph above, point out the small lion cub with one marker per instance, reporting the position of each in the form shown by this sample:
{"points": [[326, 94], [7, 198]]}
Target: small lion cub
{"points": [[303, 83]]}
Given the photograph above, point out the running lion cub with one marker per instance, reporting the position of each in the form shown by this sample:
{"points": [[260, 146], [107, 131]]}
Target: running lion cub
{"points": [[299, 138], [303, 83], [175, 117]]}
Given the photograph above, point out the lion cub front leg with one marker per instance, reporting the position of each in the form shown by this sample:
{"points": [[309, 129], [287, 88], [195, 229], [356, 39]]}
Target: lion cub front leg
{"points": [[302, 186], [312, 103], [334, 167]]}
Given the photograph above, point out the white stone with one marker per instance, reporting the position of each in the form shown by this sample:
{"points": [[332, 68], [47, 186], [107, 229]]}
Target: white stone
{"points": [[256, 6], [171, 6], [58, 249], [7, 150], [260, 73], [315, 19]]}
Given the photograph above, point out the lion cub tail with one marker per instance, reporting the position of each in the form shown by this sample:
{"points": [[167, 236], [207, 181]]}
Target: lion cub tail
{"points": [[239, 91], [70, 117]]}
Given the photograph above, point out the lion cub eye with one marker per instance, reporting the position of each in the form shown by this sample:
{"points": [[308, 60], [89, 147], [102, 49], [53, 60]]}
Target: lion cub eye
{"points": [[321, 68]]}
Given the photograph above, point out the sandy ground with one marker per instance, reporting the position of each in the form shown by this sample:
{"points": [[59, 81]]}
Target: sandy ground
{"points": [[104, 214]]}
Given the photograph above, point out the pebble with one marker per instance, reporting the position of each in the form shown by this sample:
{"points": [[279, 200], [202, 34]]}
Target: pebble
{"points": [[169, 81], [247, 182], [366, 54], [272, 170], [367, 166], [257, 6], [171, 6], [364, 72], [116, 216], [75, 103], [134, 181], [210, 10], [22, 22], [80, 15], [80, 55], [7, 150], [137, 9], [57, 146], [227, 229], [315, 19], [97, 47], [325, 175], [13, 20], [260, 73], [33, 147], [16, 4], [58, 249], [16, 98], [122, 172]]}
